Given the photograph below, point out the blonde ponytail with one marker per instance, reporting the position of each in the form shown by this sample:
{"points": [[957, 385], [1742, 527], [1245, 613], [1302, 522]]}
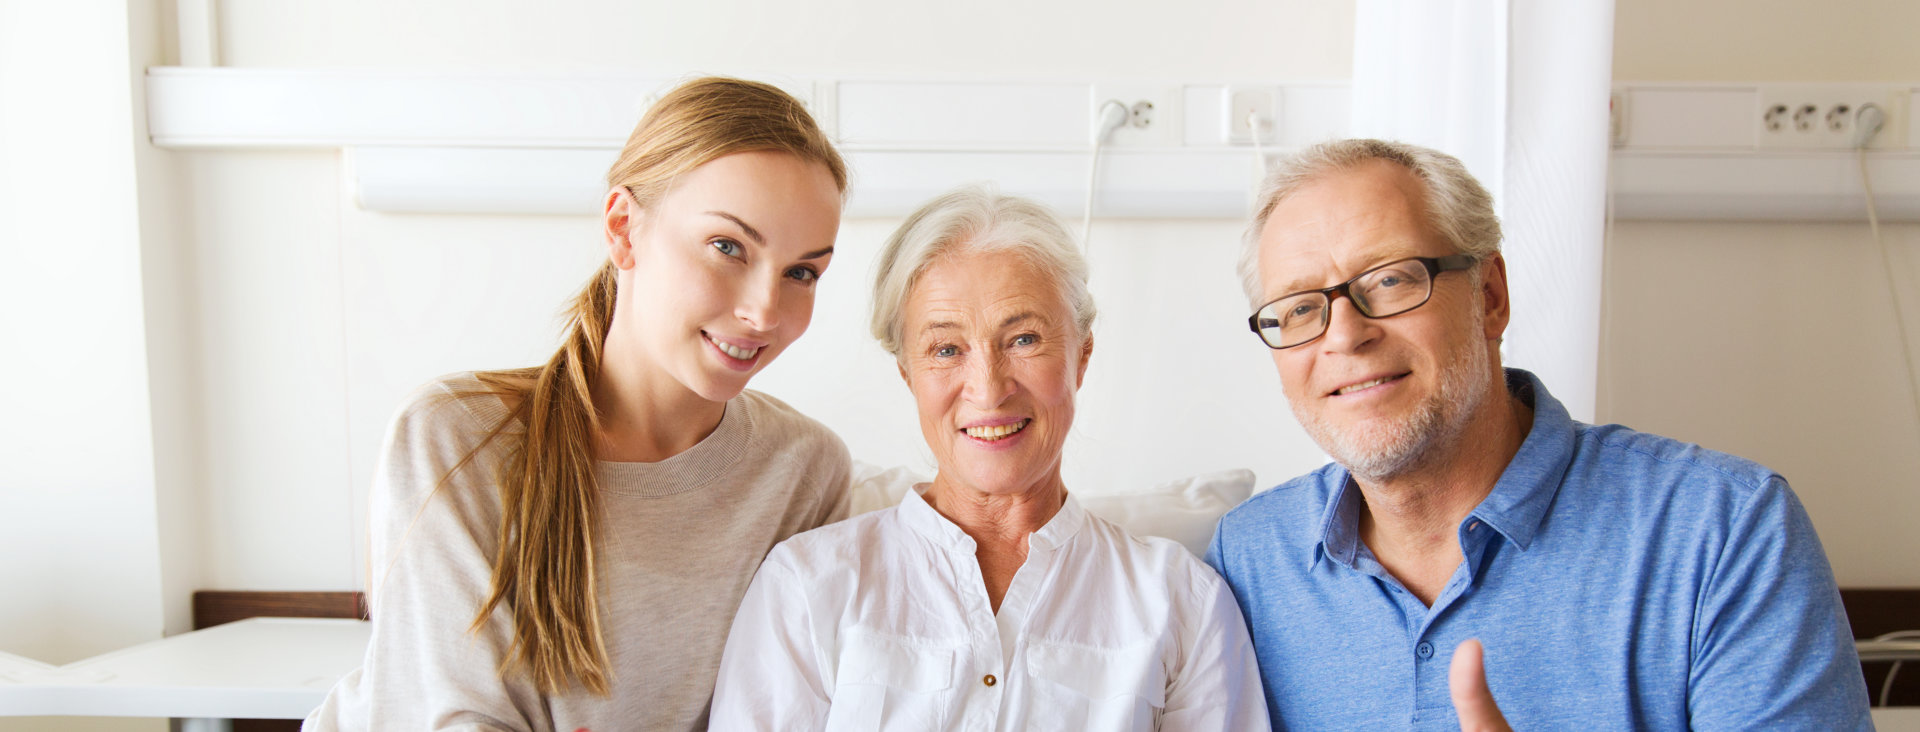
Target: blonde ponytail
{"points": [[544, 572]]}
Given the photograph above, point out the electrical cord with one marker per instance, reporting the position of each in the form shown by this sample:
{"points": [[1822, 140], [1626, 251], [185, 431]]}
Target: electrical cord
{"points": [[1259, 153], [1867, 123], [1607, 321], [1886, 687], [1113, 114]]}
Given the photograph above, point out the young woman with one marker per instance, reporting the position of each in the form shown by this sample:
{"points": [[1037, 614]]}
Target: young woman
{"points": [[565, 546]]}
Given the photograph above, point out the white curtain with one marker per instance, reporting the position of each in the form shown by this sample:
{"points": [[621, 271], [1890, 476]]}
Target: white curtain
{"points": [[1518, 90]]}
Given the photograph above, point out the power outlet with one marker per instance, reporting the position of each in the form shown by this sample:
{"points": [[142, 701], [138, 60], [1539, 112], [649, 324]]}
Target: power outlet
{"points": [[1251, 111], [1825, 116], [1153, 113]]}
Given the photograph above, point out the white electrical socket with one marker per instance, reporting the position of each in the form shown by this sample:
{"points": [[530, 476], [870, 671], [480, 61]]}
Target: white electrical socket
{"points": [[1153, 113], [1822, 116], [1251, 110]]}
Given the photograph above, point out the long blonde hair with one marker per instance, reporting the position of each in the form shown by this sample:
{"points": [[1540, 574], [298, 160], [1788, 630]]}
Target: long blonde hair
{"points": [[544, 571]]}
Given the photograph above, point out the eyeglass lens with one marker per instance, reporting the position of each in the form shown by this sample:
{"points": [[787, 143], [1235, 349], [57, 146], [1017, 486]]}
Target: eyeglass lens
{"points": [[1389, 289]]}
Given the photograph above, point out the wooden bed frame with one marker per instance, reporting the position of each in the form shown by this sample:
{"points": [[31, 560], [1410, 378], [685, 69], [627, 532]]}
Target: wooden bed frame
{"points": [[1878, 610], [215, 607]]}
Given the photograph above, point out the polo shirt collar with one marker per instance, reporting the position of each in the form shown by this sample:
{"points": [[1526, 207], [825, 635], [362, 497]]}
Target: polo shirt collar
{"points": [[1340, 525], [1518, 503]]}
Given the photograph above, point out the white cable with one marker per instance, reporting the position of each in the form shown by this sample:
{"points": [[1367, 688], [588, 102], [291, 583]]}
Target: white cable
{"points": [[1259, 153], [1867, 124], [1093, 178], [1607, 321], [1113, 114], [1886, 687]]}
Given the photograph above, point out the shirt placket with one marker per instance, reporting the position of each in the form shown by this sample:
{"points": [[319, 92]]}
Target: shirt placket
{"points": [[1412, 615], [1017, 609], [983, 670], [1430, 680], [1429, 675]]}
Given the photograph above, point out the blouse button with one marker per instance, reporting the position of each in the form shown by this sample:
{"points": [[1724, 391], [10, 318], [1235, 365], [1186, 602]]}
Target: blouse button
{"points": [[989, 680]]}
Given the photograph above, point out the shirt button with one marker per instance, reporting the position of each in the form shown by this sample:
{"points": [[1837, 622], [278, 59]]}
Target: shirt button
{"points": [[989, 680], [1424, 649]]}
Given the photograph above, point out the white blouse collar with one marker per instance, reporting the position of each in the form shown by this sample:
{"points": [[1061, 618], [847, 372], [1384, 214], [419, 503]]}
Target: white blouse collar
{"points": [[919, 516]]}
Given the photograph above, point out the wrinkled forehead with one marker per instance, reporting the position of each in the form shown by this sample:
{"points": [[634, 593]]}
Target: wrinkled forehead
{"points": [[1342, 223], [976, 289]]}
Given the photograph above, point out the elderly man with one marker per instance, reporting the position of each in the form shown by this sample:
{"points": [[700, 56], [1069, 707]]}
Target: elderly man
{"points": [[1618, 580]]}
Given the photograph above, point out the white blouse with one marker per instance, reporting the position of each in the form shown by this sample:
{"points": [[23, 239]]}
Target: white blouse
{"points": [[882, 622]]}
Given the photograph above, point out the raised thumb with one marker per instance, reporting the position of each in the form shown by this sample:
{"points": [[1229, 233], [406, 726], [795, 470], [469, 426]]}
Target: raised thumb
{"points": [[1472, 700]]}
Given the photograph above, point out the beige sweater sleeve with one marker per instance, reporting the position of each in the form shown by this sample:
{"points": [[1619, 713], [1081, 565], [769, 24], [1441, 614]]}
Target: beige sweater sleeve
{"points": [[681, 541], [431, 568]]}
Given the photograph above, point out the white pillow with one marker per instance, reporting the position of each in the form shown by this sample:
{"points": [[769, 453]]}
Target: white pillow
{"points": [[1183, 510], [875, 488]]}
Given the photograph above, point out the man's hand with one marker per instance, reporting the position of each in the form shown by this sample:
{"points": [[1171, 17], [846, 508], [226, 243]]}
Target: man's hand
{"points": [[1472, 701]]}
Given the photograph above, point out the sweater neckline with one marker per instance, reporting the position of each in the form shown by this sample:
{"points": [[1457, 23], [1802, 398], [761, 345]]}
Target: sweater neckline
{"points": [[699, 466]]}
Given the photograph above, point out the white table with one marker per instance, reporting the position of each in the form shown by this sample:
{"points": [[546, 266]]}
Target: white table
{"points": [[15, 669], [261, 668]]}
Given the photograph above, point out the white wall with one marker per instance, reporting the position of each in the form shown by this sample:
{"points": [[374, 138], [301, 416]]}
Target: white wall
{"points": [[315, 317], [309, 338], [1743, 40], [306, 303], [1777, 342], [77, 513], [80, 520], [1768, 340], [1225, 39], [270, 326]]}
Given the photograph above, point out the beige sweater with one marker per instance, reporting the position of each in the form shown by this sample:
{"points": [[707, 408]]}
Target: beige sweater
{"points": [[680, 540]]}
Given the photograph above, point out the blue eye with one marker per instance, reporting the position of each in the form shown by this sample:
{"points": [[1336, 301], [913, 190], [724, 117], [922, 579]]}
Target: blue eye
{"points": [[806, 275], [946, 351], [1025, 339], [729, 247]]}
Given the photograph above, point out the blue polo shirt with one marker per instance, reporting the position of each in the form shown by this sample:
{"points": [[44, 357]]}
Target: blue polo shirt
{"points": [[1618, 580]]}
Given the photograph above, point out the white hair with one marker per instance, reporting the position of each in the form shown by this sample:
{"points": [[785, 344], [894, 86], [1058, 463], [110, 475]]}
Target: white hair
{"points": [[978, 219], [1458, 208]]}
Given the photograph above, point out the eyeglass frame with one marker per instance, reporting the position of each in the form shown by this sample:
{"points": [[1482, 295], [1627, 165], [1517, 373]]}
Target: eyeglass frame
{"points": [[1434, 265]]}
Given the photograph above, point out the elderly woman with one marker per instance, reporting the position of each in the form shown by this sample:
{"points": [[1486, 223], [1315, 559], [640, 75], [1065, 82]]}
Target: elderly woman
{"points": [[988, 599]]}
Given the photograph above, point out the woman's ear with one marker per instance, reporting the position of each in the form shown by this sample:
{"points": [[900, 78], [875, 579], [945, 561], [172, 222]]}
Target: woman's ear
{"points": [[621, 218], [1086, 354]]}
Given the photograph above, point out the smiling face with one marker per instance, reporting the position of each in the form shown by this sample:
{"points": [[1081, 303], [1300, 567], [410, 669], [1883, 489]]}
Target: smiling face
{"points": [[993, 358], [717, 277], [1380, 395]]}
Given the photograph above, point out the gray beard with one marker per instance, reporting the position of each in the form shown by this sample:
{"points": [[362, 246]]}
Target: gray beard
{"points": [[1377, 452]]}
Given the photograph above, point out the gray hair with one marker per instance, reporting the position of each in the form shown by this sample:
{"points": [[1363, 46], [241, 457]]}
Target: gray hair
{"points": [[1458, 208], [976, 219]]}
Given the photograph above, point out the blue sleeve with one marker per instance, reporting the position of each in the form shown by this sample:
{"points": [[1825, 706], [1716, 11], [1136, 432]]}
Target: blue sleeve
{"points": [[1215, 558], [1771, 644]]}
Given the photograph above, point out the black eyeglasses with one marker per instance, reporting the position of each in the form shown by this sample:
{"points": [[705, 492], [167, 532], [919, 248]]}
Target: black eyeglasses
{"points": [[1389, 289]]}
